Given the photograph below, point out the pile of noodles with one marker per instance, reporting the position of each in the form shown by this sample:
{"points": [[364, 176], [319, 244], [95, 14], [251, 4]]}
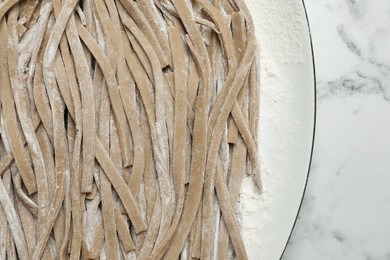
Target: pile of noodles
{"points": [[126, 128]]}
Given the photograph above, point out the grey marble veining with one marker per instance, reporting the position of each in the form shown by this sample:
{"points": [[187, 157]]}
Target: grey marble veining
{"points": [[346, 210]]}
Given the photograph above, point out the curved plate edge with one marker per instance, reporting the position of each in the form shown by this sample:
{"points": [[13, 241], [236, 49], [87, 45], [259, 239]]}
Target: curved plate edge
{"points": [[314, 126]]}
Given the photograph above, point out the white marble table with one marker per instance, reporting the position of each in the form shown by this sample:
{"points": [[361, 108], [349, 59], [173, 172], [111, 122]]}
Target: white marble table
{"points": [[346, 210]]}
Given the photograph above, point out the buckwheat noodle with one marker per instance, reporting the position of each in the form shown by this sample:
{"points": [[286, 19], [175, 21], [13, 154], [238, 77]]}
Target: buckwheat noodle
{"points": [[126, 128]]}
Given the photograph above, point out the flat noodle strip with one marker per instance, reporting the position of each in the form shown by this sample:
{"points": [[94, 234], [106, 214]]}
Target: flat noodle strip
{"points": [[47, 152], [10, 118], [26, 123], [254, 106], [88, 106], [179, 141], [39, 37], [127, 128], [132, 115], [13, 221], [42, 100]]}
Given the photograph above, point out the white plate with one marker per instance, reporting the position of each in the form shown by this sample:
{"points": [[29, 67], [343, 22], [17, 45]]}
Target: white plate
{"points": [[286, 126]]}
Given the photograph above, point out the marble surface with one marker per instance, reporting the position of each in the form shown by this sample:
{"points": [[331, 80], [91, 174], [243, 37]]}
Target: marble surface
{"points": [[346, 209]]}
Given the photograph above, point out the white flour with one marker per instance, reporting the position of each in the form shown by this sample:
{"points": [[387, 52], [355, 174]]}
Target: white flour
{"points": [[279, 29]]}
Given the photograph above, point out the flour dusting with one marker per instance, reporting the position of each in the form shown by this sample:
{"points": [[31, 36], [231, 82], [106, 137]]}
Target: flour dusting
{"points": [[279, 30]]}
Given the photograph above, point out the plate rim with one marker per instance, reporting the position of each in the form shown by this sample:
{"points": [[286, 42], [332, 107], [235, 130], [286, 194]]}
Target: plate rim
{"points": [[314, 128]]}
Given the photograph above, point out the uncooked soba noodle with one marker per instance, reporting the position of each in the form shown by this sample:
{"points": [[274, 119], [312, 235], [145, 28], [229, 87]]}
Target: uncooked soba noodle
{"points": [[126, 128]]}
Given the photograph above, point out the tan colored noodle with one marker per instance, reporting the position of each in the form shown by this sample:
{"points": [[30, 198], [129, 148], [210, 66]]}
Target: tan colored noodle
{"points": [[126, 128]]}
